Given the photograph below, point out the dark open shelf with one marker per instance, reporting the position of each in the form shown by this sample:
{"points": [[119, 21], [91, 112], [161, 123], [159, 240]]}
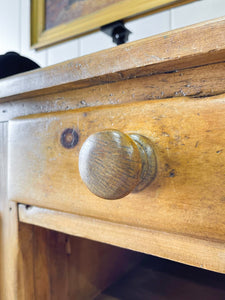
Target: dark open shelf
{"points": [[156, 278]]}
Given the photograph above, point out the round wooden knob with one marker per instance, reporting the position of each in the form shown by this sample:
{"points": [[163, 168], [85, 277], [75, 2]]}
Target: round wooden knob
{"points": [[113, 164]]}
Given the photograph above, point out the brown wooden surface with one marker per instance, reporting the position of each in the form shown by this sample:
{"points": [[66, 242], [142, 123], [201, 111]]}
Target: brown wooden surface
{"points": [[187, 196], [113, 164], [166, 52], [201, 253], [202, 81], [42, 264], [110, 164], [169, 65], [8, 228], [56, 266]]}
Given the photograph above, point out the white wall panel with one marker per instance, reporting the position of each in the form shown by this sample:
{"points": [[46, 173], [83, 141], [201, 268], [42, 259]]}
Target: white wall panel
{"points": [[140, 28], [9, 26], [40, 56], [62, 52], [149, 25], [197, 12], [95, 42]]}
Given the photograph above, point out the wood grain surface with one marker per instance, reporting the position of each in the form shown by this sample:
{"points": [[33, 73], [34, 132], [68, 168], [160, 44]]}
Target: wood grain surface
{"points": [[200, 81], [9, 243], [56, 266], [110, 164], [204, 254], [12, 236], [42, 264], [187, 196], [180, 217], [166, 52], [113, 164]]}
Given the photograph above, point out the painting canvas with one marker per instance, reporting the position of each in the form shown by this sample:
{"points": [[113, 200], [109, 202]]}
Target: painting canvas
{"points": [[54, 21], [59, 12]]}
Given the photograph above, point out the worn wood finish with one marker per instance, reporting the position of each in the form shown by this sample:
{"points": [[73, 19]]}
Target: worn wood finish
{"points": [[187, 196], [113, 164], [8, 228], [166, 52], [203, 81], [180, 216], [12, 267], [204, 254], [42, 264]]}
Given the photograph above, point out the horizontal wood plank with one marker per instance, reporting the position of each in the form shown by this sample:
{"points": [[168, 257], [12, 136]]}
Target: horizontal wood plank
{"points": [[201, 81], [200, 253], [166, 52]]}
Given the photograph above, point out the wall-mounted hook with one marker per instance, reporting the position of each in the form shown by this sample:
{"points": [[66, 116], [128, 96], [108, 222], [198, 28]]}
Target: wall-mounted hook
{"points": [[117, 31]]}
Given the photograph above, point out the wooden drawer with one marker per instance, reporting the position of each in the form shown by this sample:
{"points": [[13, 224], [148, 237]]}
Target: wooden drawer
{"points": [[187, 196]]}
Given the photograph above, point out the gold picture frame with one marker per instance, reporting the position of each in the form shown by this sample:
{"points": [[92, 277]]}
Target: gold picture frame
{"points": [[122, 10]]}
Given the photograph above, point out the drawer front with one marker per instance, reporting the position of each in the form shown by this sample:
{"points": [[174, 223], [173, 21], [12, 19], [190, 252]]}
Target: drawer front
{"points": [[187, 195]]}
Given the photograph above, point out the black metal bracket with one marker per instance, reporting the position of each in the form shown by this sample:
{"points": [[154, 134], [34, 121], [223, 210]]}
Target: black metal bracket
{"points": [[117, 31]]}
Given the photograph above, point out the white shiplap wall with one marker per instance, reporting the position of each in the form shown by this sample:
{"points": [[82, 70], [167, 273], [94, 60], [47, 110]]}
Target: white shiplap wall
{"points": [[15, 29]]}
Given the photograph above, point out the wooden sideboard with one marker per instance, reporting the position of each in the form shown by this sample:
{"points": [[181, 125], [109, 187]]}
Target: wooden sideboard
{"points": [[58, 239]]}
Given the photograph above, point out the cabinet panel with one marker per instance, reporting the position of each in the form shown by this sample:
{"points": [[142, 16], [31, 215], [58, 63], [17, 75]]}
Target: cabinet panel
{"points": [[187, 195]]}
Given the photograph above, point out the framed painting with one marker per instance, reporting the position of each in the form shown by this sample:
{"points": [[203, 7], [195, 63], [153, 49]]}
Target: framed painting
{"points": [[54, 21]]}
